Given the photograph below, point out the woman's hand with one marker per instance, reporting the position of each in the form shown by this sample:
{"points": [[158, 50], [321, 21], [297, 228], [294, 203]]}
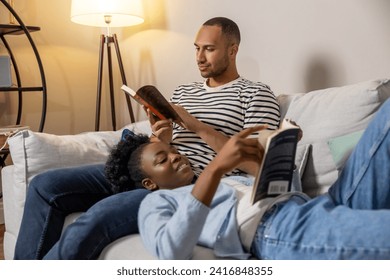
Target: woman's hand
{"points": [[239, 149]]}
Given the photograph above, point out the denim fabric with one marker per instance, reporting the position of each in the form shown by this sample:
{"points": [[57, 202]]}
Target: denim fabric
{"points": [[352, 221], [55, 194]]}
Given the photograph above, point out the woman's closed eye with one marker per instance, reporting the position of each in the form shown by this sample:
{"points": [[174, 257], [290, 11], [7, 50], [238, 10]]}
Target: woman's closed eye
{"points": [[160, 158]]}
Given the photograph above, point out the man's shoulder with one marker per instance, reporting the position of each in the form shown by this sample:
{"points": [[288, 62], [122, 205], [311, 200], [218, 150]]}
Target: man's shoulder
{"points": [[190, 86], [253, 84]]}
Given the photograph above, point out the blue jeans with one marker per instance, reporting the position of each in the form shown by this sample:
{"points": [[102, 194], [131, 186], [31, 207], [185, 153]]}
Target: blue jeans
{"points": [[351, 221], [57, 193]]}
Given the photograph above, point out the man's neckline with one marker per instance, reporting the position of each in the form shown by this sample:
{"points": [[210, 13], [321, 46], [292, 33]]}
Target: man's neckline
{"points": [[217, 88]]}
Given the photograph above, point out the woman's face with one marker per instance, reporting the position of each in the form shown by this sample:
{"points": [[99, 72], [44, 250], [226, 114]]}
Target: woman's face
{"points": [[165, 166]]}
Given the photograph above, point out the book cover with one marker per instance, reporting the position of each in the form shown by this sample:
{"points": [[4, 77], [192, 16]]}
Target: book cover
{"points": [[150, 97], [276, 169]]}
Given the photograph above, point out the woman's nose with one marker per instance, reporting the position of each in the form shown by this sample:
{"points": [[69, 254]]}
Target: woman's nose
{"points": [[175, 157]]}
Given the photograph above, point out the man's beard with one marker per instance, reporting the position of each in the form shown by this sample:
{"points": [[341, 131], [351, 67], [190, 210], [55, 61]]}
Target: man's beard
{"points": [[214, 73]]}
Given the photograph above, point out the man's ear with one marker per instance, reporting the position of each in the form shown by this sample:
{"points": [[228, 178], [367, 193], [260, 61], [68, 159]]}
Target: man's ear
{"points": [[149, 184], [234, 49]]}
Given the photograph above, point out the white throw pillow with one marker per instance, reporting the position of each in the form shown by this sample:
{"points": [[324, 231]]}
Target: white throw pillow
{"points": [[33, 152], [329, 113]]}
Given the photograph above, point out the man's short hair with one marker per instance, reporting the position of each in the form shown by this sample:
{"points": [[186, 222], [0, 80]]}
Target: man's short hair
{"points": [[229, 28]]}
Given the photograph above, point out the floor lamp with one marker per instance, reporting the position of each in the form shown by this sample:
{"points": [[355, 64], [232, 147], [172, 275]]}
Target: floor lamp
{"points": [[108, 13]]}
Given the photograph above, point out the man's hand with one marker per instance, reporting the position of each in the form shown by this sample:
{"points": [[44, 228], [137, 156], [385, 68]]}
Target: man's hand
{"points": [[161, 129]]}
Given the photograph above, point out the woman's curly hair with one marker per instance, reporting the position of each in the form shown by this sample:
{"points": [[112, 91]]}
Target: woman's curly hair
{"points": [[123, 169]]}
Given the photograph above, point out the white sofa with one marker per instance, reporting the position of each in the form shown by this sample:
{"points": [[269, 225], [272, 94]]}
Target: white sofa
{"points": [[332, 120]]}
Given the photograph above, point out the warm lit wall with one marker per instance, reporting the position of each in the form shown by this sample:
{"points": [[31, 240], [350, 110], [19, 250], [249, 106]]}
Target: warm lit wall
{"points": [[294, 46]]}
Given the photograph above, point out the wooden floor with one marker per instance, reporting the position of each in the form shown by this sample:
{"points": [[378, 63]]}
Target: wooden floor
{"points": [[1, 241]]}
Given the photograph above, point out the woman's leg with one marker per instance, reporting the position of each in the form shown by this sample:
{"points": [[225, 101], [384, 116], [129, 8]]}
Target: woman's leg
{"points": [[50, 198], [347, 223], [364, 182], [319, 229], [105, 222]]}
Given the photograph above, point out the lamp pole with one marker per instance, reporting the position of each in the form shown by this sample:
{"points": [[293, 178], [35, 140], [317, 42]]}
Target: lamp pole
{"points": [[106, 41]]}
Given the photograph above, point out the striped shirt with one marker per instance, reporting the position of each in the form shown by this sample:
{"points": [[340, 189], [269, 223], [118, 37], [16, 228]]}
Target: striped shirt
{"points": [[229, 109]]}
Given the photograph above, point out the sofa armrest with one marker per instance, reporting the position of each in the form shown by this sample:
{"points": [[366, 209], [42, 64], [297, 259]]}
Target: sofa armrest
{"points": [[12, 211]]}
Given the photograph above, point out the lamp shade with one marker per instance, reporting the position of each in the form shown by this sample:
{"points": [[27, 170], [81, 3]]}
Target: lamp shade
{"points": [[99, 12]]}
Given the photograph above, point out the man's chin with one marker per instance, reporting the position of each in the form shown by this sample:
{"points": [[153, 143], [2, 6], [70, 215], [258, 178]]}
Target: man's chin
{"points": [[205, 75]]}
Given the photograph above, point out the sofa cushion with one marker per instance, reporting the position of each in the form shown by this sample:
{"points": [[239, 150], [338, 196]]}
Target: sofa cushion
{"points": [[329, 113], [284, 101], [33, 152]]}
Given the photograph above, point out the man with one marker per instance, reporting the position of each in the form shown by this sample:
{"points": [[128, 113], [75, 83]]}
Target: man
{"points": [[224, 102], [212, 111]]}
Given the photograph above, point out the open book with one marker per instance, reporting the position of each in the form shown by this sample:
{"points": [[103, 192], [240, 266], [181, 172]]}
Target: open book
{"points": [[150, 97], [276, 169]]}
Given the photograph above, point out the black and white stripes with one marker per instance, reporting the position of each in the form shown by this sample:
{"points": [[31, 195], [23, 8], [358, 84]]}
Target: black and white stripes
{"points": [[229, 109]]}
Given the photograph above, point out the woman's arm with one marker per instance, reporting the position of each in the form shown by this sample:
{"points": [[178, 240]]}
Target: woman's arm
{"points": [[237, 150], [170, 223]]}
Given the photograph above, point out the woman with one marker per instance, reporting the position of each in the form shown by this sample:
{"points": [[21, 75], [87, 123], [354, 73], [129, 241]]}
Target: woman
{"points": [[351, 221]]}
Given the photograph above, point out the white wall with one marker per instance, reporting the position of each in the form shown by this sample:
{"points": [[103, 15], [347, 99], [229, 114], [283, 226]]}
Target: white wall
{"points": [[294, 46]]}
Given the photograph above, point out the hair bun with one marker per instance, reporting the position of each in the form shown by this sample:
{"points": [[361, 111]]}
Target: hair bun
{"points": [[116, 169]]}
